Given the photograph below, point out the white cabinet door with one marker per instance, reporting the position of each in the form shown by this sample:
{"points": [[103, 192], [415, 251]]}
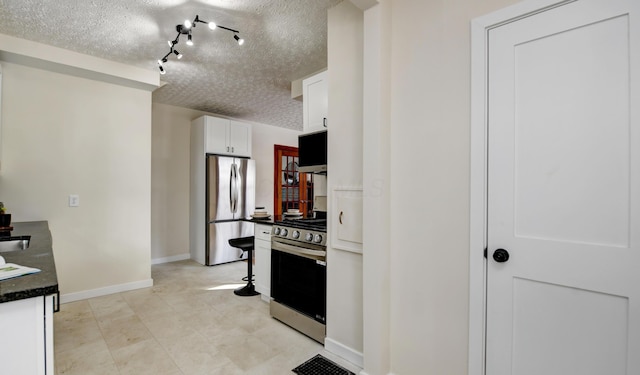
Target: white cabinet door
{"points": [[24, 343], [263, 259], [227, 137], [315, 102], [48, 335], [239, 135], [346, 228], [216, 135]]}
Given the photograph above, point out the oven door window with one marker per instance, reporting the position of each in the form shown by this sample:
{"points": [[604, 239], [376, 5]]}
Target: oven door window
{"points": [[299, 283]]}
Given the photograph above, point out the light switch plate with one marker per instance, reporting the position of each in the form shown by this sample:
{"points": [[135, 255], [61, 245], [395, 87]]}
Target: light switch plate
{"points": [[74, 200]]}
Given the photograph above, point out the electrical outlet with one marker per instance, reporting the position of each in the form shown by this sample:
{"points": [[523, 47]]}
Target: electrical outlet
{"points": [[74, 200]]}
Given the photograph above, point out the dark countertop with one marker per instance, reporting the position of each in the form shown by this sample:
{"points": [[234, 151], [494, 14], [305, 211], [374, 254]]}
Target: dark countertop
{"points": [[270, 221], [39, 255]]}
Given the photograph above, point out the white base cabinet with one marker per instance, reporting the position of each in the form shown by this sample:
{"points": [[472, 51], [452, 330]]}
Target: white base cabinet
{"points": [[26, 341], [262, 248]]}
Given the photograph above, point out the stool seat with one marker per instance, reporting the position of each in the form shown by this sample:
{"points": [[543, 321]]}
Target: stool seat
{"points": [[246, 244]]}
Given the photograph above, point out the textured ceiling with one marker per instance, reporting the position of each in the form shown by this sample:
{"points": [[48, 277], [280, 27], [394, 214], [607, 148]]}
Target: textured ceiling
{"points": [[284, 40]]}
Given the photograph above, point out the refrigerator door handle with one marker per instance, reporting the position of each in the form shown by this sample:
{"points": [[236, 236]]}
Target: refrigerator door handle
{"points": [[234, 188], [231, 189]]}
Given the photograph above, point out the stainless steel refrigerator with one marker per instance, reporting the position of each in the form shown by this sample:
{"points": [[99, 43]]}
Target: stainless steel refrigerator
{"points": [[230, 196]]}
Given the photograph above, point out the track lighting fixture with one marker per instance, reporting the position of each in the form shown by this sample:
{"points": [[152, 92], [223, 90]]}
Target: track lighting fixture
{"points": [[186, 28]]}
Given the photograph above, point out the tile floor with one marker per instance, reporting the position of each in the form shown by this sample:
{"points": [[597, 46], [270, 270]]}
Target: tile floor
{"points": [[188, 323]]}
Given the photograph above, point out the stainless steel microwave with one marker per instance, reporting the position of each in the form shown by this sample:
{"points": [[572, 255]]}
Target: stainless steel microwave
{"points": [[312, 152]]}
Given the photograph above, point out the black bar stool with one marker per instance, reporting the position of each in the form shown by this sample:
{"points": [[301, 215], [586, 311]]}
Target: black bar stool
{"points": [[246, 244]]}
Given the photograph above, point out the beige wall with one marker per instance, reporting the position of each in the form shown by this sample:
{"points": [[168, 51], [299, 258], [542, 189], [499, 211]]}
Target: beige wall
{"points": [[429, 212], [66, 135], [264, 137], [170, 181], [170, 175]]}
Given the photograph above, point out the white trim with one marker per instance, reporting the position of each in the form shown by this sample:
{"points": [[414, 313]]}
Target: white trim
{"points": [[477, 201], [478, 183], [343, 351], [173, 258], [112, 289]]}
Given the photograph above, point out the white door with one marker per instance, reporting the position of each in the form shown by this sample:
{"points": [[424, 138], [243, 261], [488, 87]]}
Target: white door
{"points": [[564, 192]]}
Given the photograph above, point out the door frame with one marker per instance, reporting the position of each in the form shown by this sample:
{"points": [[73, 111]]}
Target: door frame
{"points": [[478, 169]]}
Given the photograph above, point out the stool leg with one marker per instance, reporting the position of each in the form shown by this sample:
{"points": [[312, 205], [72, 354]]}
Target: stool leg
{"points": [[249, 289]]}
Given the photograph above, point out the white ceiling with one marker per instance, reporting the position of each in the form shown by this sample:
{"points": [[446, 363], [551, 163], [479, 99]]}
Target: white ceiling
{"points": [[284, 40]]}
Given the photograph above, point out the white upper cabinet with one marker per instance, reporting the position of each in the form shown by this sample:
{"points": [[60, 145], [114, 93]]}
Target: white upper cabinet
{"points": [[315, 102], [215, 130], [239, 136], [226, 137]]}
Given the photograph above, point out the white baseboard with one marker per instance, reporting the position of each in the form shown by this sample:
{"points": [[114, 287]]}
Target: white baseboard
{"points": [[86, 294], [344, 351], [170, 259]]}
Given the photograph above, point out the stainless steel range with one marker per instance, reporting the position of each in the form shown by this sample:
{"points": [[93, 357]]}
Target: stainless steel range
{"points": [[299, 275]]}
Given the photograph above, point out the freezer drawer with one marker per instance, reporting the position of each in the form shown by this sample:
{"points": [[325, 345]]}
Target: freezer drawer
{"points": [[218, 236]]}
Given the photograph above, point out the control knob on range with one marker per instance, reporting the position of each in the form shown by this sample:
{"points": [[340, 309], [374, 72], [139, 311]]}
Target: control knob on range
{"points": [[309, 237], [284, 232], [296, 234], [276, 230], [317, 238]]}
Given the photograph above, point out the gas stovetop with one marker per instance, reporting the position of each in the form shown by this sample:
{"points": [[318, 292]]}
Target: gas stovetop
{"points": [[310, 231], [319, 225]]}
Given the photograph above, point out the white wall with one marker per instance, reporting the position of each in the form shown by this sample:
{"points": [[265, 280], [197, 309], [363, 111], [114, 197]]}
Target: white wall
{"points": [[67, 135], [376, 190], [344, 268], [170, 175]]}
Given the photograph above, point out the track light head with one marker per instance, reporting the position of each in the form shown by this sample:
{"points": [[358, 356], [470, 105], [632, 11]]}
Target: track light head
{"points": [[185, 29]]}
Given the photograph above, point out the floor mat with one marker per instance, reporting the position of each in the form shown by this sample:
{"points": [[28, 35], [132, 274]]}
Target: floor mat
{"points": [[319, 365]]}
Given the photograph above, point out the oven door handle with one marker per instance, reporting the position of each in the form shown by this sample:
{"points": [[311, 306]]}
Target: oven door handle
{"points": [[295, 250]]}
